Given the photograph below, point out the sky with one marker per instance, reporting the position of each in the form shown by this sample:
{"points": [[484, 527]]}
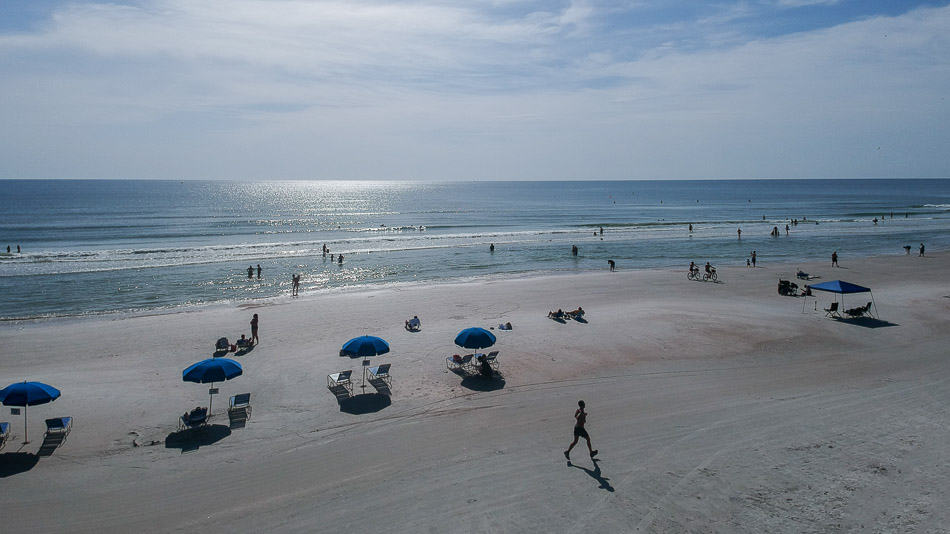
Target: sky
{"points": [[474, 90]]}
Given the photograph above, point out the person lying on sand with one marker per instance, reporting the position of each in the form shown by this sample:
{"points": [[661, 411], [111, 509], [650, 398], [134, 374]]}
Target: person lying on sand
{"points": [[414, 323], [505, 326]]}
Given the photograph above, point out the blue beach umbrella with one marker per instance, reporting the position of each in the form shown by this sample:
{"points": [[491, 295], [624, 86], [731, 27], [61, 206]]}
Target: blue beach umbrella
{"points": [[475, 338], [27, 394], [365, 346], [212, 370]]}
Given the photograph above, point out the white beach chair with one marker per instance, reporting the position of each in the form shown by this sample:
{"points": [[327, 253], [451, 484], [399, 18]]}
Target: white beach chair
{"points": [[458, 364], [339, 384], [379, 377], [492, 358], [4, 433], [59, 427], [239, 410]]}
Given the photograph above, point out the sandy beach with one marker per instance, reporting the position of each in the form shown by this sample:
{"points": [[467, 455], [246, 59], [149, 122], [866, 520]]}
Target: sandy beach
{"points": [[716, 407]]}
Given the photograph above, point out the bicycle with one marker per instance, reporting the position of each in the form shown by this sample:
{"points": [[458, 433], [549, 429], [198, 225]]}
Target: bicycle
{"points": [[711, 275], [693, 275]]}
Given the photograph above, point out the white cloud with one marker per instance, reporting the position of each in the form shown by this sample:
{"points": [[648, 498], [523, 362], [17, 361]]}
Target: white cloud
{"points": [[328, 89]]}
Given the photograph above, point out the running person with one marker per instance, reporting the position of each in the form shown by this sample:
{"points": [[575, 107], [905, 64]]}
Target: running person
{"points": [[580, 417]]}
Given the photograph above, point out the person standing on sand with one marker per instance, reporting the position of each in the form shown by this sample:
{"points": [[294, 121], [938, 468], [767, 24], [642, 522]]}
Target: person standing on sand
{"points": [[753, 259], [921, 249], [580, 417], [254, 337], [834, 259], [296, 280], [612, 264]]}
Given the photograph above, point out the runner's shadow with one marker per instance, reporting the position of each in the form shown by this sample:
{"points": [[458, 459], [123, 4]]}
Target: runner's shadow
{"points": [[595, 474]]}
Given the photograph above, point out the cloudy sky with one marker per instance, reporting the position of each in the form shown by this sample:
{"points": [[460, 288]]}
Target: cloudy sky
{"points": [[470, 89]]}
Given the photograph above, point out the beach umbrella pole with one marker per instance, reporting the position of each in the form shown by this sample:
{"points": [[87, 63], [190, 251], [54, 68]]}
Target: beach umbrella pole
{"points": [[210, 398], [26, 435]]}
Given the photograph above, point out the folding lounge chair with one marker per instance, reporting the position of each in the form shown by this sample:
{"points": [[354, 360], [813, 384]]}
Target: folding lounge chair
{"points": [[239, 409], [339, 384], [379, 377], [832, 311], [59, 426], [4, 433], [492, 358], [453, 364]]}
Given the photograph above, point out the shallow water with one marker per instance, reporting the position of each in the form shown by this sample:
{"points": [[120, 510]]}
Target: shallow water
{"points": [[104, 246]]}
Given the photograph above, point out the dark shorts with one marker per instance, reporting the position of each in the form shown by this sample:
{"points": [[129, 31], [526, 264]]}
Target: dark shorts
{"points": [[579, 432]]}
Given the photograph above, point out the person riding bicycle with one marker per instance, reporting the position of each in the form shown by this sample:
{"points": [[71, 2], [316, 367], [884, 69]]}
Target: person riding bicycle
{"points": [[709, 268], [693, 269]]}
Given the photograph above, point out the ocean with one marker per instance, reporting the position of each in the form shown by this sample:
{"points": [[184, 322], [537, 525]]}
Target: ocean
{"points": [[93, 247]]}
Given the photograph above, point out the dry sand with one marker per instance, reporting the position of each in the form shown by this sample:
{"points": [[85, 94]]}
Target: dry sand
{"points": [[715, 407]]}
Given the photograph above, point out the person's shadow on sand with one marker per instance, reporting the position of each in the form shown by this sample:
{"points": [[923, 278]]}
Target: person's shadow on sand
{"points": [[595, 474]]}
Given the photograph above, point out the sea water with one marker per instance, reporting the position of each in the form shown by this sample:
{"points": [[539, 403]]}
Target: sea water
{"points": [[130, 246]]}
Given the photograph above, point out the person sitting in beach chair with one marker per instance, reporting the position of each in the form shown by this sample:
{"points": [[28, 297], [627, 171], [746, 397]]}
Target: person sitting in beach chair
{"points": [[244, 342], [414, 324], [484, 367], [576, 314], [222, 345], [559, 314], [193, 419]]}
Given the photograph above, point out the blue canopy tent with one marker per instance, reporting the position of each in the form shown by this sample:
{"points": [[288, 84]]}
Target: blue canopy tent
{"points": [[840, 287]]}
